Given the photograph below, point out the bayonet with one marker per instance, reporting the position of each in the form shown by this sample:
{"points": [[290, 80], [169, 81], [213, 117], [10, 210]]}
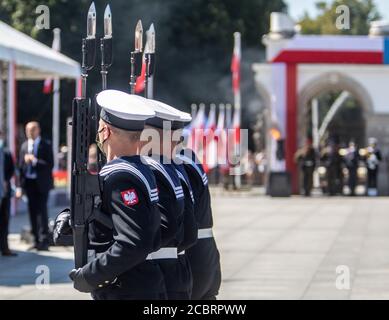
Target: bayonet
{"points": [[106, 46], [136, 56], [91, 22], [149, 59], [139, 37], [88, 47], [150, 43], [107, 22]]}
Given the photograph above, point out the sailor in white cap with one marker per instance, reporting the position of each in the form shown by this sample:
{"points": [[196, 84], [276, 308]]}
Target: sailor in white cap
{"points": [[123, 267], [204, 256], [178, 223]]}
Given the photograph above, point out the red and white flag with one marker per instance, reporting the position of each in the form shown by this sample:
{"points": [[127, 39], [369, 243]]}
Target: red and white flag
{"points": [[209, 142], [235, 63], [140, 81], [221, 137], [236, 126], [197, 131], [48, 86], [48, 83]]}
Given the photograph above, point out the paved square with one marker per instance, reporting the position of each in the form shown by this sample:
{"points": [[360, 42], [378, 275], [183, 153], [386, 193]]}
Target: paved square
{"points": [[270, 249]]}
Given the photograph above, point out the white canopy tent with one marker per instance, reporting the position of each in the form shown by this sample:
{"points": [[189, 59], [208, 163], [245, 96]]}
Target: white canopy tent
{"points": [[33, 59], [23, 58]]}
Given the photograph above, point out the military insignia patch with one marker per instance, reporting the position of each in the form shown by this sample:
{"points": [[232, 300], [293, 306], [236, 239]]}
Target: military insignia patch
{"points": [[130, 198]]}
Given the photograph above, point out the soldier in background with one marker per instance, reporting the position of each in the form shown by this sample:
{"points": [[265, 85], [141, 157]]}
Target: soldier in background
{"points": [[204, 256], [306, 157], [333, 162], [372, 159], [178, 224], [351, 159]]}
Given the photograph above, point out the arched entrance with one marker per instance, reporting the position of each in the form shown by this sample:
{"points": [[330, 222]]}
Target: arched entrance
{"points": [[334, 82], [349, 122]]}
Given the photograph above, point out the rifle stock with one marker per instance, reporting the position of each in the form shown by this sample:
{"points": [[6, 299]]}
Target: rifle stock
{"points": [[85, 191]]}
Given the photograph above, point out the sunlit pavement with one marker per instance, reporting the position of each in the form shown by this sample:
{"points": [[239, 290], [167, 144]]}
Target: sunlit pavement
{"points": [[270, 249]]}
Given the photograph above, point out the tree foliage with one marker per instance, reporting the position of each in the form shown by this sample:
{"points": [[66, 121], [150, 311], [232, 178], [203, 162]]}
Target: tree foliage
{"points": [[362, 12], [194, 42]]}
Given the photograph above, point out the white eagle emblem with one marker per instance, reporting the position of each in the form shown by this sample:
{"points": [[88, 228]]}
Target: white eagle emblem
{"points": [[130, 197]]}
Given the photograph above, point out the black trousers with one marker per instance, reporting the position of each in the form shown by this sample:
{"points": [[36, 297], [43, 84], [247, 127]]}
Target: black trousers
{"points": [[37, 207], [308, 180], [372, 176], [5, 205], [352, 179]]}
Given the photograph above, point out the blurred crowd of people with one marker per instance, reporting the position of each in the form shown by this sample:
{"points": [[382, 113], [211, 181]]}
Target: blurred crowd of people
{"points": [[338, 167]]}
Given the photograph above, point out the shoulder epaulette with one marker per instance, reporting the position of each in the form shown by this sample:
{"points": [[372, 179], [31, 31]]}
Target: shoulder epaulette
{"points": [[190, 161], [159, 167], [127, 167]]}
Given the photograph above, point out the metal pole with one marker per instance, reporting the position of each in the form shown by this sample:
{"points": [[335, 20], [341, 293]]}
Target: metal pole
{"points": [[2, 113], [237, 103], [133, 77], [11, 108], [147, 76], [56, 121], [56, 102], [11, 118]]}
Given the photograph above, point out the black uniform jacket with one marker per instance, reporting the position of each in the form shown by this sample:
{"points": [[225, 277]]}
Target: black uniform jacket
{"points": [[171, 201], [177, 272], [204, 256], [190, 223], [130, 197]]}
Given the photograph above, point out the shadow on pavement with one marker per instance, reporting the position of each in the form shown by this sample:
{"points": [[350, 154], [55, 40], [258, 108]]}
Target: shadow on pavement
{"points": [[30, 268]]}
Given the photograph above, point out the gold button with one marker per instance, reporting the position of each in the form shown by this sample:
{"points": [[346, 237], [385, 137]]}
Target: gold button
{"points": [[100, 285]]}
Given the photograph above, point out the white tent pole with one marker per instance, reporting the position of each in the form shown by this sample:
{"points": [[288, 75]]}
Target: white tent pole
{"points": [[2, 113], [11, 106], [11, 117], [56, 102], [56, 121]]}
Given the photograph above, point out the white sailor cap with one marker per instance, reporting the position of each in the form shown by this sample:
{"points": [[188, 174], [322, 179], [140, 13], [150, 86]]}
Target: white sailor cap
{"points": [[163, 112], [123, 110], [185, 118]]}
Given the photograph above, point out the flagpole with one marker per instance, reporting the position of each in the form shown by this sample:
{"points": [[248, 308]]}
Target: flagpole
{"points": [[56, 102], [193, 108], [237, 103]]}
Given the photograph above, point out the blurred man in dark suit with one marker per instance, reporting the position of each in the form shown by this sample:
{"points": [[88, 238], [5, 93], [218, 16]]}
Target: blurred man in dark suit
{"points": [[7, 170], [36, 164]]}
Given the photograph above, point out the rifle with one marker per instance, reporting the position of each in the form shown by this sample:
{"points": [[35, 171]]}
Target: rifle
{"points": [[136, 56], [85, 187], [106, 50], [106, 46]]}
